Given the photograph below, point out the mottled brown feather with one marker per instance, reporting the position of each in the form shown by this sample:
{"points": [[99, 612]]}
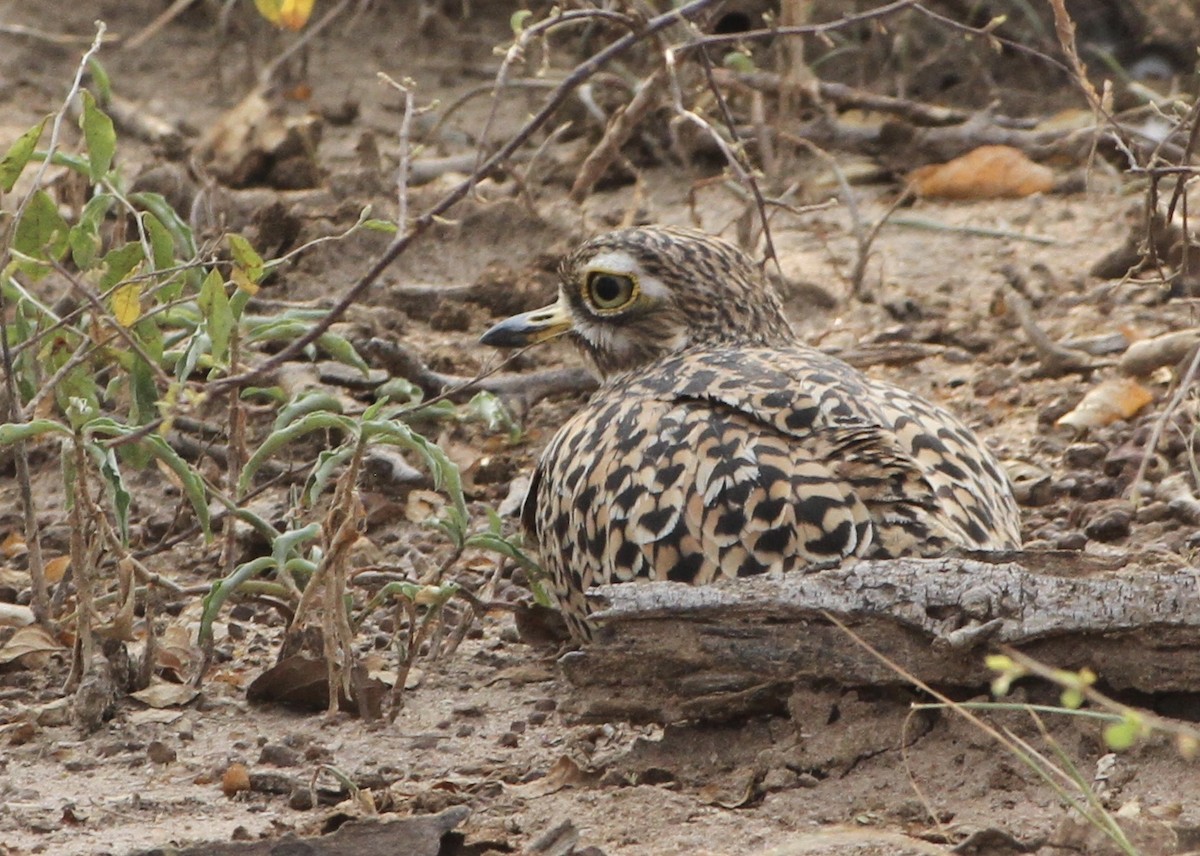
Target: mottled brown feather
{"points": [[718, 446]]}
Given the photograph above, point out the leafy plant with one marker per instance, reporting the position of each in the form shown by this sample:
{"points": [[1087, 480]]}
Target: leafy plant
{"points": [[149, 319], [324, 570]]}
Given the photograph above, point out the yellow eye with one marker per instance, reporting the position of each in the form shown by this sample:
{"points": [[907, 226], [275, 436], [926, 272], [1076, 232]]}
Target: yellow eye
{"points": [[608, 291]]}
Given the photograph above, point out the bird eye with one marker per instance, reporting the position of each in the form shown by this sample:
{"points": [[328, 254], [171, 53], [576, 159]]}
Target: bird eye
{"points": [[609, 290]]}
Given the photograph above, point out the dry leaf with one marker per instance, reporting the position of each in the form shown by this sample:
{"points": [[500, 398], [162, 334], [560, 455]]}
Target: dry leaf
{"points": [[162, 693], [422, 505], [15, 615], [56, 568], [388, 677], [31, 645], [14, 545], [564, 774], [988, 172], [153, 715], [302, 681], [1118, 398]]}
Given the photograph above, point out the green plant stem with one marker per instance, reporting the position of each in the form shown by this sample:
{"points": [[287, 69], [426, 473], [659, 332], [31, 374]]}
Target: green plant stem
{"points": [[1054, 777], [1020, 708], [40, 601]]}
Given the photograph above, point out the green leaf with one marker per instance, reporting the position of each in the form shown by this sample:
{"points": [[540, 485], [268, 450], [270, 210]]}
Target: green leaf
{"points": [[41, 233], [199, 345], [445, 472], [517, 20], [218, 318], [277, 439], [237, 303], [327, 463], [15, 432], [534, 572], [286, 329], [399, 389], [144, 401], [489, 409], [284, 547], [376, 225], [739, 61], [193, 485], [310, 401], [117, 264], [100, 80], [78, 394], [1072, 698], [221, 591], [18, 155], [110, 470], [340, 349], [99, 135], [162, 243], [157, 205], [246, 257], [84, 237], [1123, 734]]}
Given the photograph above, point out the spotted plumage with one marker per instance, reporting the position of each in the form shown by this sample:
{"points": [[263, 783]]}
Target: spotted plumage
{"points": [[719, 446]]}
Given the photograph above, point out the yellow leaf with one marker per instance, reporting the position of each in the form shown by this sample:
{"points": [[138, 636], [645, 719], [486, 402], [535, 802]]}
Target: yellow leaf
{"points": [[269, 9], [294, 13], [127, 304], [244, 282], [291, 14]]}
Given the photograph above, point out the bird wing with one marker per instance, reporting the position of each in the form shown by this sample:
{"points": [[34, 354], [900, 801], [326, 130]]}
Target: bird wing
{"points": [[927, 479], [737, 461], [689, 490]]}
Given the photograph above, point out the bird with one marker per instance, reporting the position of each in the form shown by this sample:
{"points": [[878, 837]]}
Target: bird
{"points": [[718, 445]]}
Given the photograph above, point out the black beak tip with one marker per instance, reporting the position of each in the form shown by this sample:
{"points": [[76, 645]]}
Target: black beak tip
{"points": [[496, 337]]}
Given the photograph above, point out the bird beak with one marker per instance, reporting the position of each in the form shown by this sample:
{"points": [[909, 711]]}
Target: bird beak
{"points": [[529, 328]]}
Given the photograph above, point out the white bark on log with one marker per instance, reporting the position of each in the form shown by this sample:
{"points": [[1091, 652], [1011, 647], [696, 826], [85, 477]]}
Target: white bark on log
{"points": [[668, 652]]}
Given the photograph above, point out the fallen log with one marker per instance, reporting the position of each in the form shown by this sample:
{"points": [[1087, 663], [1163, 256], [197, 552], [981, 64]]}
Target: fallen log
{"points": [[666, 652]]}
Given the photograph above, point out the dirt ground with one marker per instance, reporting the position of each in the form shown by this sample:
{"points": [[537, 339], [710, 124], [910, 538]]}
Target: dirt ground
{"points": [[849, 770]]}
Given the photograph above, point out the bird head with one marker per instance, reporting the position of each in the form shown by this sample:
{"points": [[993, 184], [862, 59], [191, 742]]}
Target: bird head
{"points": [[630, 297]]}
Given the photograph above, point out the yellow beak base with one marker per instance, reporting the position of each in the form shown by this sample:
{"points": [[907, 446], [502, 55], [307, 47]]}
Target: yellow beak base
{"points": [[529, 328]]}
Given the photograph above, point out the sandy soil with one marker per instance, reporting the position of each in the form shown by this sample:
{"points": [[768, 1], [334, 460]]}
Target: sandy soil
{"points": [[848, 771]]}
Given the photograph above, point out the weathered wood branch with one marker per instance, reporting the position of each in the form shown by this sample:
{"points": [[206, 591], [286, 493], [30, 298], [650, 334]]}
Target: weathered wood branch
{"points": [[668, 652], [520, 390]]}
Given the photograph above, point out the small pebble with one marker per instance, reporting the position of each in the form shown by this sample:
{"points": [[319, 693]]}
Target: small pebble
{"points": [[278, 755], [1111, 524], [1084, 455], [1071, 541], [301, 799], [160, 753], [508, 740], [779, 779]]}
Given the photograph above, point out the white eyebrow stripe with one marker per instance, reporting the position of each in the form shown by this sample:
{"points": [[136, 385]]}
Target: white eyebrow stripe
{"points": [[621, 262], [614, 261]]}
